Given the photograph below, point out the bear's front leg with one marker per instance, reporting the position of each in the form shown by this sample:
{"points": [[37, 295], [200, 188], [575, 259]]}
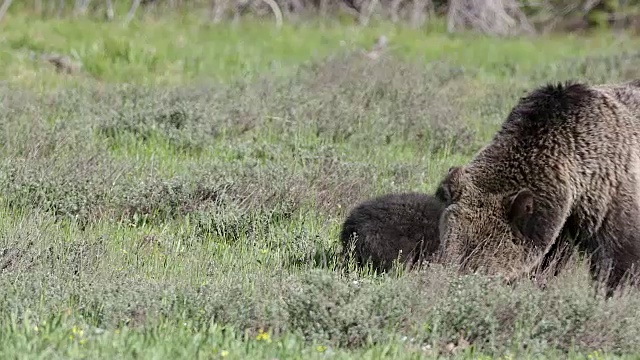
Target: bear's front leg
{"points": [[616, 246]]}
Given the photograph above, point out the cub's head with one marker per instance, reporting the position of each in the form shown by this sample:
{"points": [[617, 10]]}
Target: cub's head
{"points": [[495, 233]]}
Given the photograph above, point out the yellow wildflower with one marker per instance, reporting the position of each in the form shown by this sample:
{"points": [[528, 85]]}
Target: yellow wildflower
{"points": [[595, 355], [263, 336], [224, 353], [77, 331]]}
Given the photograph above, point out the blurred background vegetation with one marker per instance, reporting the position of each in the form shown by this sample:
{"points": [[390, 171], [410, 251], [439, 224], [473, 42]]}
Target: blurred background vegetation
{"points": [[496, 17], [173, 41]]}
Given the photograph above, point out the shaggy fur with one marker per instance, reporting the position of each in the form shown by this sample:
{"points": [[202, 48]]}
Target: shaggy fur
{"points": [[394, 226], [564, 165]]}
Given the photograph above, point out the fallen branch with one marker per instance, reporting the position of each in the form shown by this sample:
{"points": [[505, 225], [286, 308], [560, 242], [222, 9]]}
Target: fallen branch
{"points": [[4, 8], [276, 11]]}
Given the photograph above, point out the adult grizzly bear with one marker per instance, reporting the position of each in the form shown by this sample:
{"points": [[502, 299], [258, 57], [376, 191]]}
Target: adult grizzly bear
{"points": [[565, 164], [401, 226]]}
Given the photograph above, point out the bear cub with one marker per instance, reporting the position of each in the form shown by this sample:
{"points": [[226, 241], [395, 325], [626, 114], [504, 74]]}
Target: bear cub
{"points": [[396, 226]]}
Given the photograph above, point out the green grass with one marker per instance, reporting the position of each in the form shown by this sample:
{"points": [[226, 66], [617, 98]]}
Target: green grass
{"points": [[181, 50], [180, 213]]}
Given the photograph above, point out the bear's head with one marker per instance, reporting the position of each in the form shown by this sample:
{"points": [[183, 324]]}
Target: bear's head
{"points": [[496, 233]]}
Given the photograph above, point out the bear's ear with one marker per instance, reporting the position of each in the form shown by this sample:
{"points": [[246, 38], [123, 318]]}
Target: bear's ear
{"points": [[448, 189], [520, 206]]}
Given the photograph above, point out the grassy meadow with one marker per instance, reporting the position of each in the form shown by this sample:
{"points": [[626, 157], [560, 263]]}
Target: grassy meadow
{"points": [[181, 197]]}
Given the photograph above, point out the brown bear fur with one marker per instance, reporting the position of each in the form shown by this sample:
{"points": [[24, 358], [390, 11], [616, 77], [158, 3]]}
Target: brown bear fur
{"points": [[565, 164], [402, 226], [628, 93]]}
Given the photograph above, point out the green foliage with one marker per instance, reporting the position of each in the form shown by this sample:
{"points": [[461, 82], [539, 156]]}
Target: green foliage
{"points": [[172, 218], [169, 52]]}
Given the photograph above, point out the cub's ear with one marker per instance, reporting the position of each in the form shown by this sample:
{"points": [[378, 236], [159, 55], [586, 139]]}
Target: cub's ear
{"points": [[447, 190], [520, 206]]}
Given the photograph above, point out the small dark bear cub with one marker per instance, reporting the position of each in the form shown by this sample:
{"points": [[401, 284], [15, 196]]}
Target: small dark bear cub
{"points": [[397, 226]]}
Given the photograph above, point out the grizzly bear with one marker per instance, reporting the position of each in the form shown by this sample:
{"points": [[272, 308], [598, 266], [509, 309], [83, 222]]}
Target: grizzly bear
{"points": [[402, 226], [564, 166]]}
